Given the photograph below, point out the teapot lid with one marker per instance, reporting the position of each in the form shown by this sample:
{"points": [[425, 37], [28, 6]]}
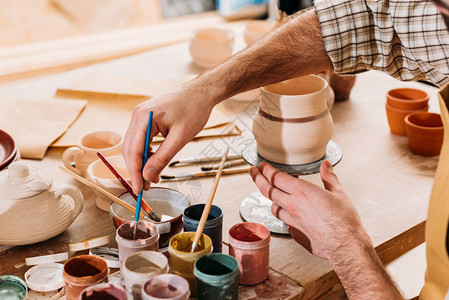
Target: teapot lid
{"points": [[22, 181]]}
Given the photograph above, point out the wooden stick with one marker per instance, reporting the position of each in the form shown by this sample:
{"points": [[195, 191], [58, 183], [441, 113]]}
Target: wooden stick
{"points": [[187, 176], [208, 205], [101, 191]]}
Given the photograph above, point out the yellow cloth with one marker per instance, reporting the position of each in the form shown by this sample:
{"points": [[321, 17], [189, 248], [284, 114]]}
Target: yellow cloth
{"points": [[437, 274], [35, 124]]}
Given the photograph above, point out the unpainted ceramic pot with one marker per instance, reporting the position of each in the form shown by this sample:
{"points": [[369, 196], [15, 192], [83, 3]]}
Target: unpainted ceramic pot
{"points": [[99, 173], [425, 133], [407, 98], [211, 46], [293, 124], [396, 118], [34, 207], [254, 30]]}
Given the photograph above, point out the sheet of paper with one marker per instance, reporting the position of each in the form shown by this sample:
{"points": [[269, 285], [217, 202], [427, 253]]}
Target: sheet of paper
{"points": [[35, 124], [104, 83], [105, 111]]}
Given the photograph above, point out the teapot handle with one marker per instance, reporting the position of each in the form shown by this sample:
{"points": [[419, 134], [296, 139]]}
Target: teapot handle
{"points": [[76, 195], [69, 155]]}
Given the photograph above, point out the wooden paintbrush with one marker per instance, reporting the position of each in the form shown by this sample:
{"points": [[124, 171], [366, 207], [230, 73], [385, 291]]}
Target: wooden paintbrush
{"points": [[187, 176], [195, 160], [206, 210], [144, 161], [150, 213], [227, 164], [100, 190]]}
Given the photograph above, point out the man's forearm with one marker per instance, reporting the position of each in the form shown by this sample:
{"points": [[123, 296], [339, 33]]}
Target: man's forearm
{"points": [[361, 272], [294, 49]]}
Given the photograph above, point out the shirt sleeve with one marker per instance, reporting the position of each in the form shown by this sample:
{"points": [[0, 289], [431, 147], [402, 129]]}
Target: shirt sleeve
{"points": [[405, 38]]}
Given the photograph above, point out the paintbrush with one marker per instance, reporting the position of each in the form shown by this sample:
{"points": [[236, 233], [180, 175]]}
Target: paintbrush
{"points": [[144, 161], [150, 213], [227, 164], [187, 176], [206, 210], [197, 160], [100, 190]]}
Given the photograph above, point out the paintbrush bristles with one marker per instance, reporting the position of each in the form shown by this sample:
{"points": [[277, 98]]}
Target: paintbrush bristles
{"points": [[209, 201]]}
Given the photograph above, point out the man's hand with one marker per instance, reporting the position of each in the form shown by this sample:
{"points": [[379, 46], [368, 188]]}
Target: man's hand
{"points": [[326, 223], [322, 220], [178, 116]]}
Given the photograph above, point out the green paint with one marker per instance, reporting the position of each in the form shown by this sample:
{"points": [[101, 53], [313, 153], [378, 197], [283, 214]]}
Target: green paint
{"points": [[12, 288], [217, 277]]}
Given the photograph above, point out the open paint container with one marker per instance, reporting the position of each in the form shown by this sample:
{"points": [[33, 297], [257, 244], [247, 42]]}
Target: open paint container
{"points": [[168, 203], [12, 287]]}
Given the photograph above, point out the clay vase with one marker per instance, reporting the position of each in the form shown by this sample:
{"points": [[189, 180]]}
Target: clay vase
{"points": [[293, 124], [211, 46], [341, 85], [407, 99], [34, 207], [425, 133], [396, 118]]}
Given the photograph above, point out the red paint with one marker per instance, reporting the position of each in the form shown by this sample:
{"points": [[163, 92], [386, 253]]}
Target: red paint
{"points": [[245, 235]]}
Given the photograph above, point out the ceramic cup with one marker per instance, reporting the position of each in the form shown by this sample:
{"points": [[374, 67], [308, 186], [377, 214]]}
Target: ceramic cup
{"points": [[211, 46], [182, 261], [407, 98], [249, 243], [83, 271], [424, 133], [103, 291], [98, 173], [139, 268], [396, 118], [254, 30], [147, 239], [293, 124], [217, 277], [166, 286], [109, 143]]}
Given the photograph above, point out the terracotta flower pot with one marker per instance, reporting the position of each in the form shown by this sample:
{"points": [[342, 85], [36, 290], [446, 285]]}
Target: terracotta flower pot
{"points": [[396, 118], [406, 98], [425, 133]]}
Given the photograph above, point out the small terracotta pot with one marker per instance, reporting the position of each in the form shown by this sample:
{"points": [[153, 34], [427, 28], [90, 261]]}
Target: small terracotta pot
{"points": [[396, 118], [342, 86], [406, 98], [425, 133], [83, 271]]}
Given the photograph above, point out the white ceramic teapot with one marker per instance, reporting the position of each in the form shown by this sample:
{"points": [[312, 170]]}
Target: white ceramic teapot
{"points": [[33, 206]]}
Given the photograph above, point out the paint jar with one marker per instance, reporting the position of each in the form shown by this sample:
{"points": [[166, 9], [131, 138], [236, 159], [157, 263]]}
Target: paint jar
{"points": [[147, 239], [12, 287], [83, 271], [139, 267], [103, 291], [249, 243], [217, 277], [166, 286], [213, 227], [182, 261]]}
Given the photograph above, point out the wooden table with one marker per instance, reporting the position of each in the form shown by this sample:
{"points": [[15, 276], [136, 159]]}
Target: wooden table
{"points": [[388, 184]]}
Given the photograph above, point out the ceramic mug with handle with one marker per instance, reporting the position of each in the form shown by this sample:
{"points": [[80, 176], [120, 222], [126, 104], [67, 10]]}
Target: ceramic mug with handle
{"points": [[107, 142]]}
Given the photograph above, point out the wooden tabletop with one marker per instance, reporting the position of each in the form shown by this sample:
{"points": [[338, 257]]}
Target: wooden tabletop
{"points": [[389, 185]]}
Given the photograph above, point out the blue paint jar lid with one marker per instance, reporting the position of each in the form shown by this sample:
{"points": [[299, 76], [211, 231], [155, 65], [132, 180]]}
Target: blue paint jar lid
{"points": [[12, 288]]}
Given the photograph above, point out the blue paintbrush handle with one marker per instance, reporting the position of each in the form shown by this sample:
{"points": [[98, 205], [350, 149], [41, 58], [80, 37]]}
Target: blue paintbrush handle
{"points": [[145, 158]]}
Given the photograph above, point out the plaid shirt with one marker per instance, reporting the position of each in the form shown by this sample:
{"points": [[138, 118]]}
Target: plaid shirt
{"points": [[405, 38]]}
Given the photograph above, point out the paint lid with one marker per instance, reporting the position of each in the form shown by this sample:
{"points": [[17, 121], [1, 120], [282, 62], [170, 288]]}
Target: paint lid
{"points": [[12, 287], [110, 255], [45, 278], [33, 295]]}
